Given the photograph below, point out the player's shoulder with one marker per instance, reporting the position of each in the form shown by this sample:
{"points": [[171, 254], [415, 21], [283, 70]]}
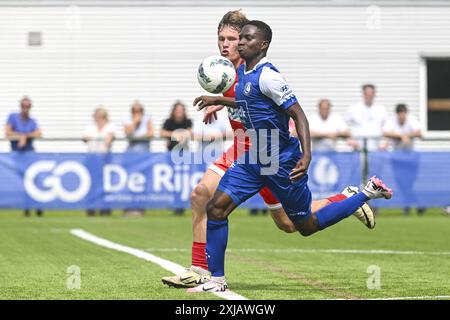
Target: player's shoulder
{"points": [[269, 74], [269, 67]]}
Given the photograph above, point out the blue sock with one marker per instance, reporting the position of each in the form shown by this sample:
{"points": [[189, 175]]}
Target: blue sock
{"points": [[216, 244], [336, 211]]}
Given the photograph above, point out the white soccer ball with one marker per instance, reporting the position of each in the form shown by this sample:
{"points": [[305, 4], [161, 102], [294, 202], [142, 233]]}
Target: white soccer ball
{"points": [[216, 74]]}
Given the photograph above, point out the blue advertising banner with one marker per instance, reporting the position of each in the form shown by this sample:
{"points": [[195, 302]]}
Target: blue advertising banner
{"points": [[419, 179], [134, 180], [79, 181], [330, 172]]}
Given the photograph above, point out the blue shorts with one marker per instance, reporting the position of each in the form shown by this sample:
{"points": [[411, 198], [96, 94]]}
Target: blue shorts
{"points": [[242, 181]]}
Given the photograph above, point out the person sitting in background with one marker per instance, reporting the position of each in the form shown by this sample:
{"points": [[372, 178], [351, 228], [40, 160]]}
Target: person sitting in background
{"points": [[178, 127], [178, 130], [326, 127], [99, 137], [402, 129], [21, 129], [138, 128]]}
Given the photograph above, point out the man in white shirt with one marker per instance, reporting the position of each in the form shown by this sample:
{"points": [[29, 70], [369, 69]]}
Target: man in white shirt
{"points": [[326, 127], [366, 120], [402, 129]]}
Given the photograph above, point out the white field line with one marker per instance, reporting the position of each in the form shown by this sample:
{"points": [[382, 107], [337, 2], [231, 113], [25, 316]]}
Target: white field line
{"points": [[404, 298], [413, 298], [295, 250], [165, 264]]}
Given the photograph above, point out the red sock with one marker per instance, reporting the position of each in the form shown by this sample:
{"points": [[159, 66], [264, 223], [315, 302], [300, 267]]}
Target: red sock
{"points": [[337, 197], [199, 255]]}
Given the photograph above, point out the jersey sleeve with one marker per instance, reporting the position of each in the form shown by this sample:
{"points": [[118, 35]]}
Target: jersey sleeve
{"points": [[273, 86]]}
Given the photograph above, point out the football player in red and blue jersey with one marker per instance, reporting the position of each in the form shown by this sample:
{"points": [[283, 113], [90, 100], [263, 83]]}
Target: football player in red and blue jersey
{"points": [[228, 38], [265, 103]]}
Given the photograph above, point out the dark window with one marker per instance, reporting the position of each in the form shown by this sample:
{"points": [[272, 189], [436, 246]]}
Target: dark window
{"points": [[438, 104]]}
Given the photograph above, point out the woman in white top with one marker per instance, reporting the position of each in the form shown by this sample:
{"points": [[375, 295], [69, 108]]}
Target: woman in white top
{"points": [[100, 134], [99, 137]]}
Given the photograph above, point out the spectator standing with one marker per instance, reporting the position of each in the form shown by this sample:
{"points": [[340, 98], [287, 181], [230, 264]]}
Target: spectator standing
{"points": [[326, 127], [138, 129], [178, 130], [178, 127], [22, 129], [99, 137], [366, 120], [402, 129]]}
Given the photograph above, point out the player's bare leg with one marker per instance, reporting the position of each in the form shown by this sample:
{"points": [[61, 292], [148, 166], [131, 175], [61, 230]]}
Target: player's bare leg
{"points": [[282, 220], [284, 223], [198, 272], [200, 196]]}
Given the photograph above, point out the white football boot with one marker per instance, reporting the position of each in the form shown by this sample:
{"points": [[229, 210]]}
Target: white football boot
{"points": [[213, 285], [375, 188], [363, 213], [192, 277]]}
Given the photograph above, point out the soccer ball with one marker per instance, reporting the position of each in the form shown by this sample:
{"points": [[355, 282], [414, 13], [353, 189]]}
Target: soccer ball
{"points": [[216, 74]]}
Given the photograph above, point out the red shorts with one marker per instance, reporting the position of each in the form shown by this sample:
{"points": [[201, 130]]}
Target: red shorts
{"points": [[224, 162]]}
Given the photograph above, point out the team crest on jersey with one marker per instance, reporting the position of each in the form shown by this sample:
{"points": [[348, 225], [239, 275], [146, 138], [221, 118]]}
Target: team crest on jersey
{"points": [[247, 88]]}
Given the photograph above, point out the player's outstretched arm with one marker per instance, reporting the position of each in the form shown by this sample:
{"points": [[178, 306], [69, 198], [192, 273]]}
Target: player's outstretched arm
{"points": [[205, 101], [302, 127]]}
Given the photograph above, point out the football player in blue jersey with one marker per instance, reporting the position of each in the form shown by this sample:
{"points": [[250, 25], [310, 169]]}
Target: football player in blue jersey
{"points": [[266, 102]]}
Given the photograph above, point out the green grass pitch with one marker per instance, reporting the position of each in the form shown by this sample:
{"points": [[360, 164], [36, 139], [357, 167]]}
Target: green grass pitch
{"points": [[262, 262]]}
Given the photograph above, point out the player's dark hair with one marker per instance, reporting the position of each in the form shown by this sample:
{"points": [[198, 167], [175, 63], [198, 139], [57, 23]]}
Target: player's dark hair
{"points": [[263, 27], [234, 19], [368, 85], [401, 107]]}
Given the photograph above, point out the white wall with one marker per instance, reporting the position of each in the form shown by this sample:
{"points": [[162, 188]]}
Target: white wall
{"points": [[112, 55]]}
